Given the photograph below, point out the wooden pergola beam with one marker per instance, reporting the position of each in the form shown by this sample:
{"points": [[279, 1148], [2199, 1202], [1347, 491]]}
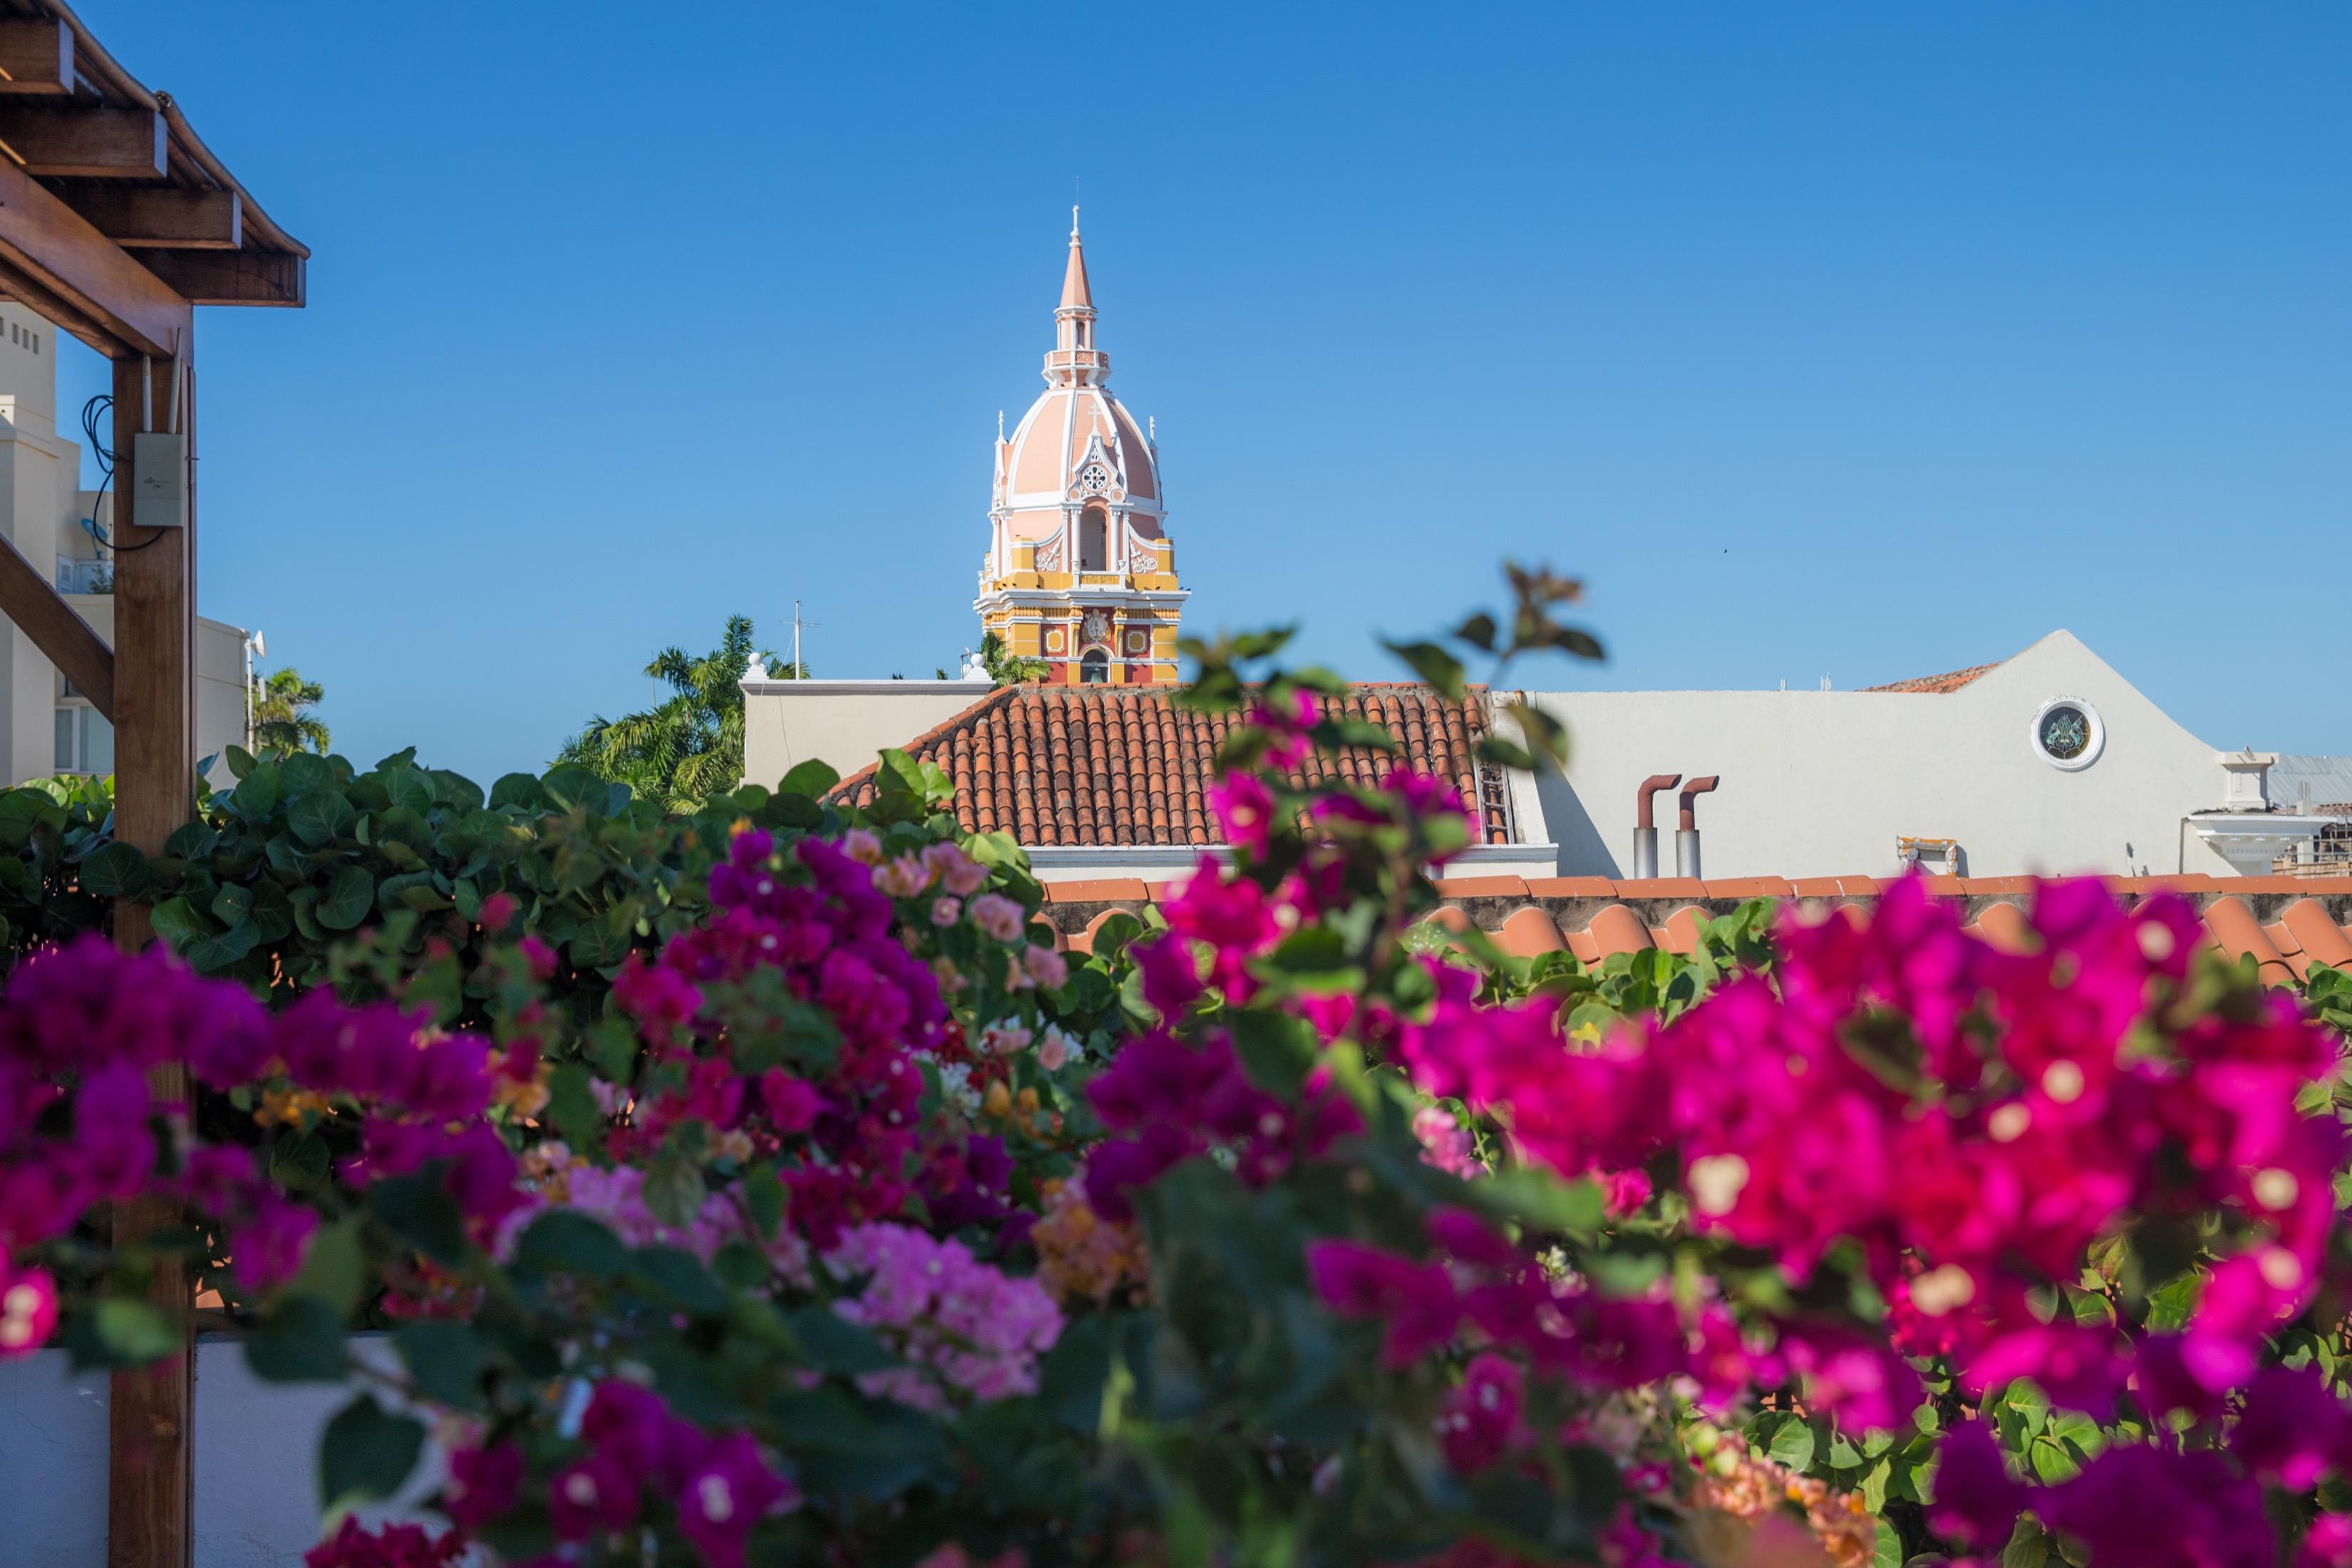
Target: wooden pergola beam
{"points": [[36, 56], [229, 276], [163, 217], [64, 639], [56, 140], [65, 268]]}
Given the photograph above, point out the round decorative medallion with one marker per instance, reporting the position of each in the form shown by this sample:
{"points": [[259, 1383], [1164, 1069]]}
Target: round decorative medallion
{"points": [[1096, 627], [1054, 640], [2067, 733], [1136, 642], [1094, 478]]}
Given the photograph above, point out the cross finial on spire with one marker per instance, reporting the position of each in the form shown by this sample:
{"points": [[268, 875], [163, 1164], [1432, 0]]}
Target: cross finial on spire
{"points": [[1074, 220]]}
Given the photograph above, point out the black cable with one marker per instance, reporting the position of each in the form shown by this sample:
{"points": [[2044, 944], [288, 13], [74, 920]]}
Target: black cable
{"points": [[105, 459]]}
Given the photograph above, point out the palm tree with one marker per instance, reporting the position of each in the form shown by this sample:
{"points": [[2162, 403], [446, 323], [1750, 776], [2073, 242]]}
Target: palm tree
{"points": [[282, 716], [690, 745], [1004, 668]]}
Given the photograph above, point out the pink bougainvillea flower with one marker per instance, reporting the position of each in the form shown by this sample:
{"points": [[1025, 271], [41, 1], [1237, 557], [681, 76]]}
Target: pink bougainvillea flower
{"points": [[1480, 1418], [1416, 1298], [1245, 811], [1976, 1501], [29, 1311], [483, 1484]]}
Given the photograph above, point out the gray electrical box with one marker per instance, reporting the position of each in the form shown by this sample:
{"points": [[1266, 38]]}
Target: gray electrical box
{"points": [[159, 472]]}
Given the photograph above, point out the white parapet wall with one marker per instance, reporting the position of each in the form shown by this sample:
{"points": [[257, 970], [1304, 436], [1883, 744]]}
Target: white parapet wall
{"points": [[256, 1447], [842, 723]]}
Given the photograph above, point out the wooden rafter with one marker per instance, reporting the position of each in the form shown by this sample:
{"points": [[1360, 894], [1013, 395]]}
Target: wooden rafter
{"points": [[36, 56], [163, 217], [64, 268], [229, 276], [54, 141]]}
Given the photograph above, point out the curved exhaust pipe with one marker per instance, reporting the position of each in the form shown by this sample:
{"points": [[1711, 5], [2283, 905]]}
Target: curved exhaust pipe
{"points": [[1645, 827], [1686, 862]]}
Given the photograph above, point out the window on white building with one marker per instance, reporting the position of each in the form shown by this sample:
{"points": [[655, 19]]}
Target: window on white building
{"points": [[85, 739]]}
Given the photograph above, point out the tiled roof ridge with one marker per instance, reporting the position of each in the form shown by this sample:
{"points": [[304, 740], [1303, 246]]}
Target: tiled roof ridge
{"points": [[929, 737], [1951, 681], [1060, 767], [1528, 916]]}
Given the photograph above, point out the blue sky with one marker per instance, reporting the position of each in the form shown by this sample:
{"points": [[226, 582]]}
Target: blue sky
{"points": [[1857, 340]]}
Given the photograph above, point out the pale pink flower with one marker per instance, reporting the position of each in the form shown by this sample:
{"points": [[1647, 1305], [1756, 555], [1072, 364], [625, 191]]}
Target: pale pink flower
{"points": [[996, 915], [946, 911], [1047, 967], [903, 876], [958, 872], [859, 844]]}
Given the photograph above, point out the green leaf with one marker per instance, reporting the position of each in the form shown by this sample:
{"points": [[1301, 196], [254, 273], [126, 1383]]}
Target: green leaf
{"points": [[564, 1241], [830, 1343], [678, 1274], [301, 1342], [1792, 1445], [521, 790], [673, 1188], [409, 787], [115, 870], [1435, 666], [1277, 1049], [1478, 631], [422, 1214], [177, 922], [321, 816], [298, 1161], [366, 1453], [347, 901], [230, 904], [1505, 754], [301, 771], [212, 954], [445, 1357], [240, 760], [811, 778], [572, 1105], [133, 1331], [335, 1269], [256, 794]]}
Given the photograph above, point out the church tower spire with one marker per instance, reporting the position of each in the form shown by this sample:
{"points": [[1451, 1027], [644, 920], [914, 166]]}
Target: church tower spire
{"points": [[1076, 362], [1080, 574]]}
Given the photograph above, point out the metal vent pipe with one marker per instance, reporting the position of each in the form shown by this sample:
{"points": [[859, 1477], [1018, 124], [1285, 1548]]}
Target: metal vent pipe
{"points": [[1645, 829], [1687, 830]]}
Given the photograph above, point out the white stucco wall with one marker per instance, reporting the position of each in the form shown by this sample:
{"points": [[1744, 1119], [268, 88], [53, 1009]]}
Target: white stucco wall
{"points": [[1823, 782], [843, 723], [256, 1461]]}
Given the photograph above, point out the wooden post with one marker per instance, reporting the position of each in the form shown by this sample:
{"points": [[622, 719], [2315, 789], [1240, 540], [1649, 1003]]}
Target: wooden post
{"points": [[151, 1474]]}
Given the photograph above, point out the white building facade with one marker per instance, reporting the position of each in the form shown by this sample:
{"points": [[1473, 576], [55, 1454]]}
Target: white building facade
{"points": [[45, 725], [2049, 762]]}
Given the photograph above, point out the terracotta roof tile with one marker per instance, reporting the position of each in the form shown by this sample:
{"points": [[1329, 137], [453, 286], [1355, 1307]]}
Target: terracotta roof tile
{"points": [[1662, 888], [1056, 765], [1940, 683], [2301, 933]]}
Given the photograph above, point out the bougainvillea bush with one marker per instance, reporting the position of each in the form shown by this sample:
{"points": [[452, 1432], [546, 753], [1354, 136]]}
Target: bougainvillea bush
{"points": [[849, 1223]]}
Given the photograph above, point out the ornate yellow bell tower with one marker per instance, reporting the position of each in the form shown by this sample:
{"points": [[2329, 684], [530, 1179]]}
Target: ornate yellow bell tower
{"points": [[1080, 572]]}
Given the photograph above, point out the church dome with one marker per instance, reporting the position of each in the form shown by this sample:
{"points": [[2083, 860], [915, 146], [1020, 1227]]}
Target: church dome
{"points": [[1068, 433], [1076, 440]]}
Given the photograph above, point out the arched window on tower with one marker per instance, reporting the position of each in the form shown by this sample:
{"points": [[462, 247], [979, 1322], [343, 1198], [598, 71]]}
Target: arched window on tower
{"points": [[1094, 541], [1094, 669]]}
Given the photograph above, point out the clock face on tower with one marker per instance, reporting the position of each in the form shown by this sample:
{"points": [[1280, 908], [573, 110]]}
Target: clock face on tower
{"points": [[1094, 478]]}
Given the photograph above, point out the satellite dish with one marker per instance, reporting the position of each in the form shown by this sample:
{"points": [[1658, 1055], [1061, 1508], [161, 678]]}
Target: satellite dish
{"points": [[260, 649]]}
